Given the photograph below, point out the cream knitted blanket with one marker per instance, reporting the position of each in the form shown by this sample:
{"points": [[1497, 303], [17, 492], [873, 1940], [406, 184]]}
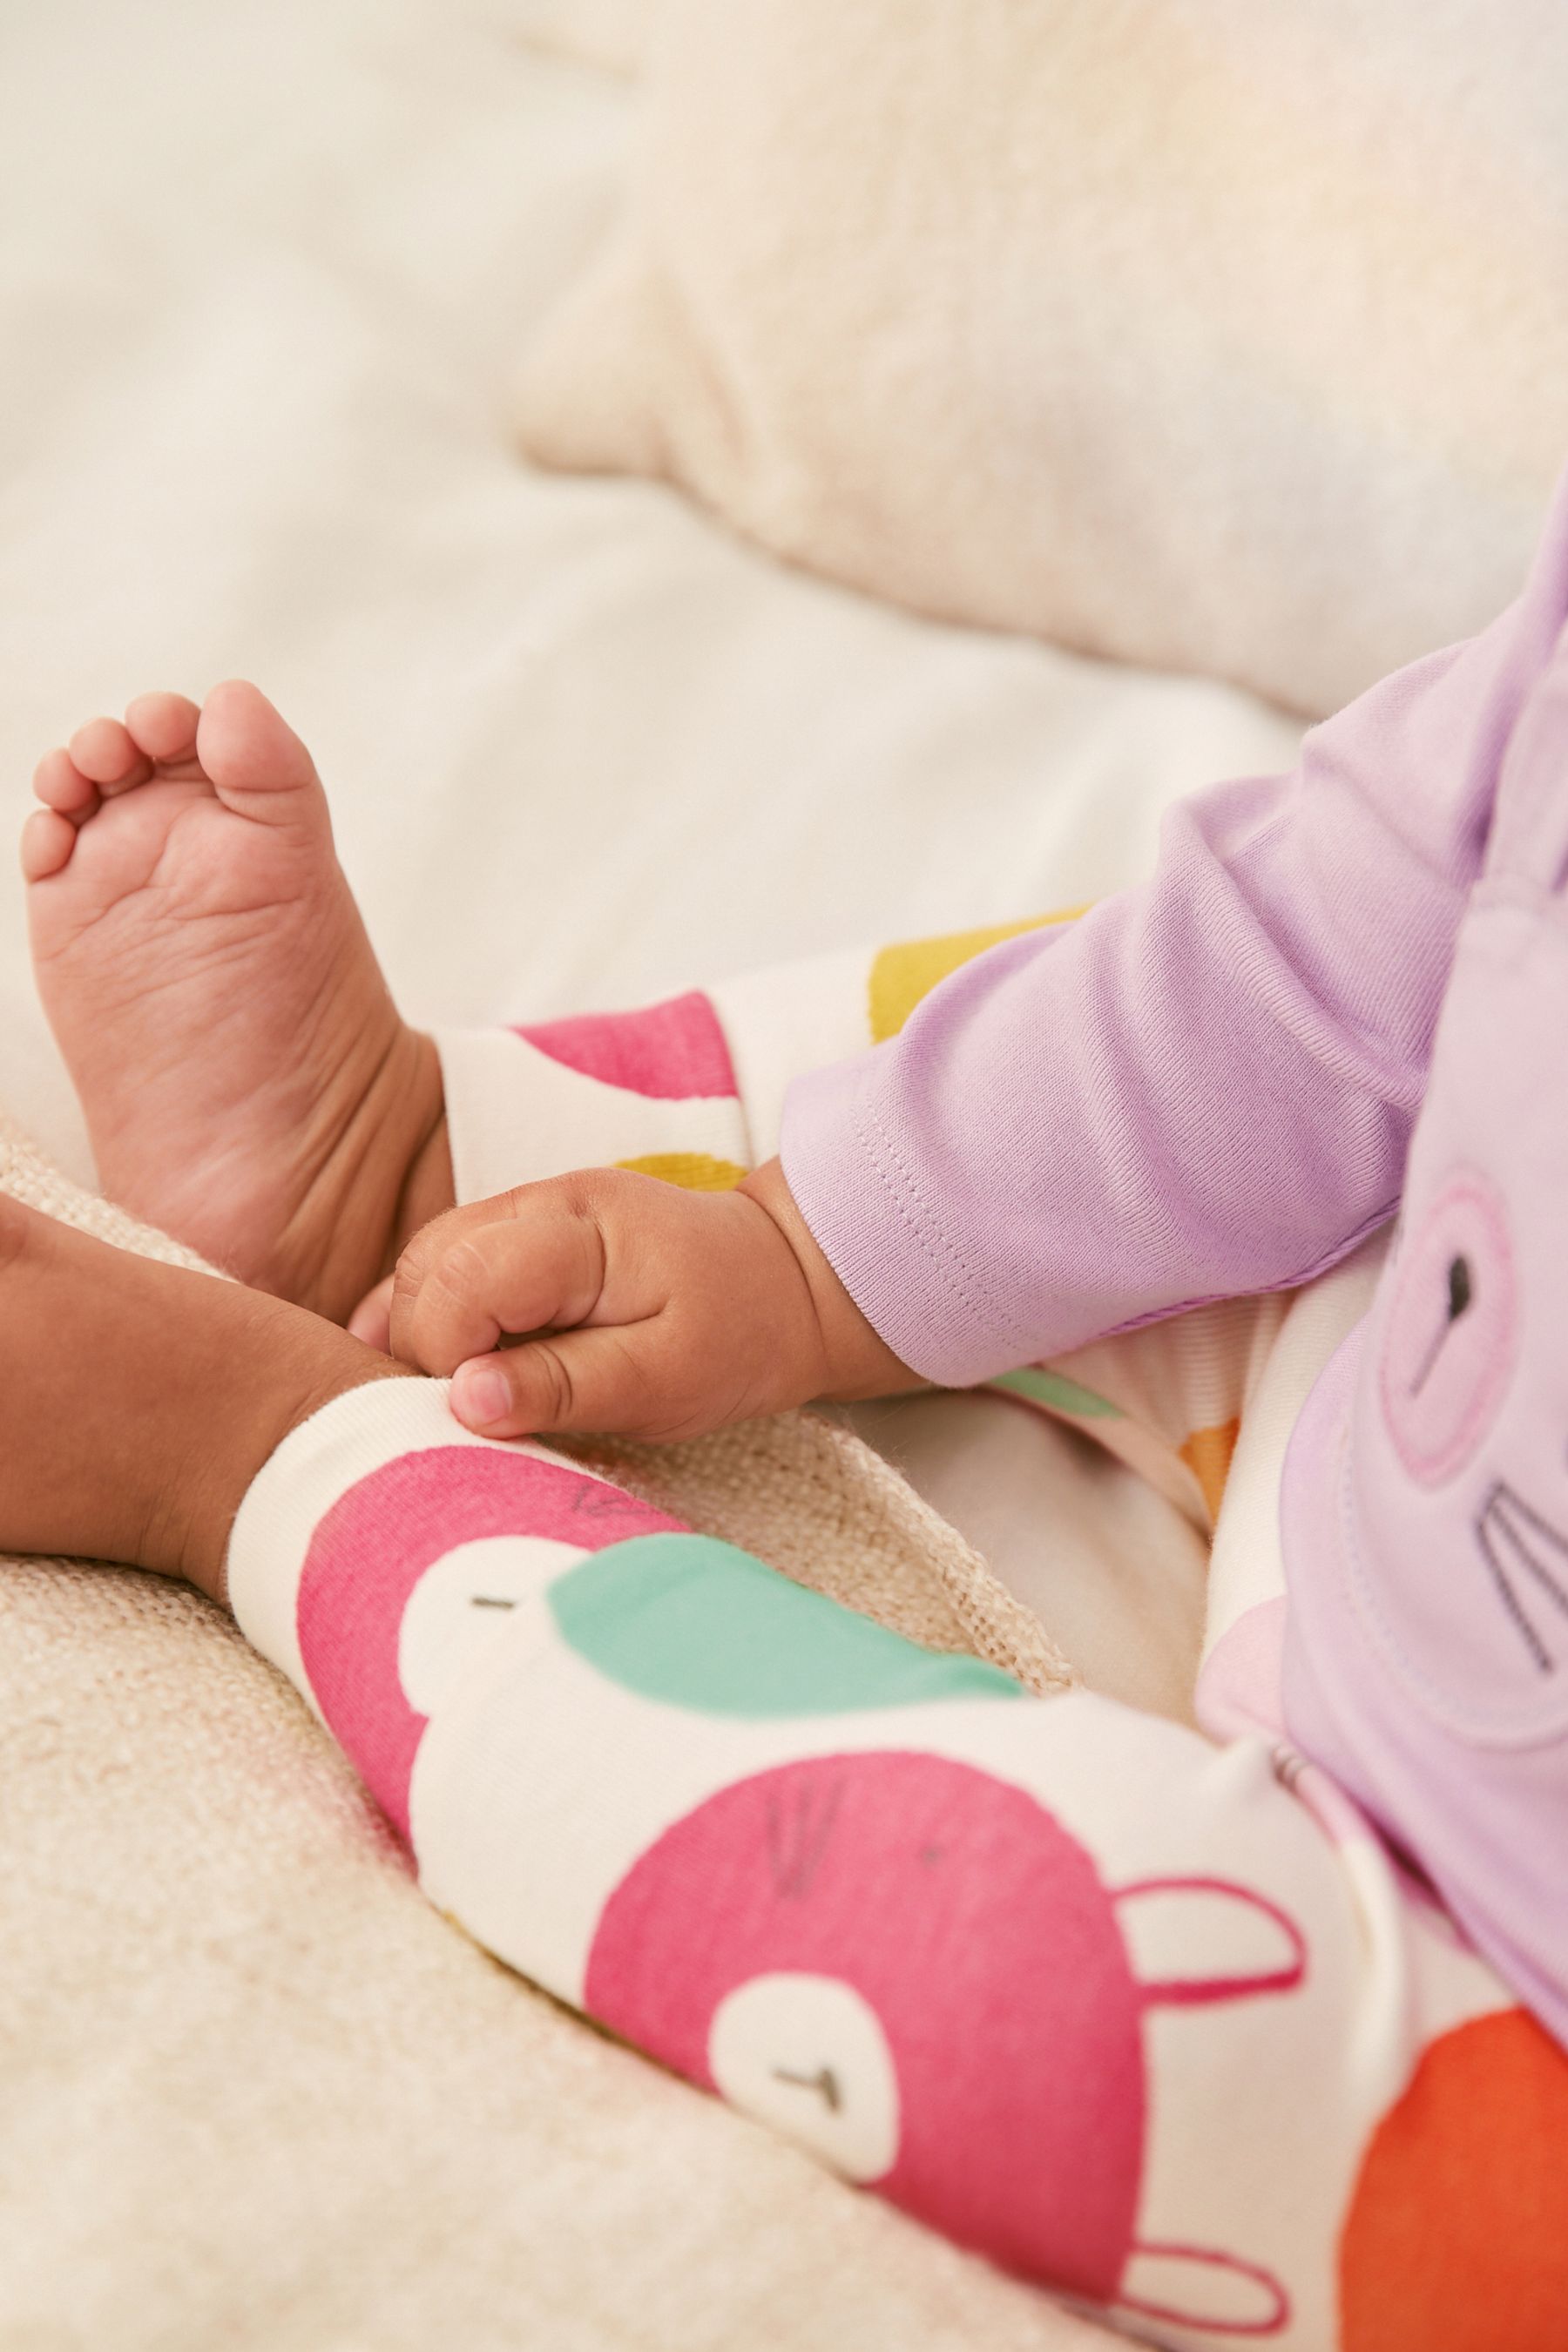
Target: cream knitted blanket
{"points": [[258, 2093]]}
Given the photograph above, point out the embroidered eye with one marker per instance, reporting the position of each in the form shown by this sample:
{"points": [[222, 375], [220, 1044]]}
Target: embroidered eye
{"points": [[1451, 1330], [1461, 1290]]}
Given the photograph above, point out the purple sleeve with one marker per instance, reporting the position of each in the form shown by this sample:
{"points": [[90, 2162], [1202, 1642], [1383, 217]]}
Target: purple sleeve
{"points": [[1208, 1086]]}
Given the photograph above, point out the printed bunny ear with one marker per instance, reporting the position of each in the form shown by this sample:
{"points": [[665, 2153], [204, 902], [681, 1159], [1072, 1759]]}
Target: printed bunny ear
{"points": [[1529, 829], [1199, 2287], [1194, 1940]]}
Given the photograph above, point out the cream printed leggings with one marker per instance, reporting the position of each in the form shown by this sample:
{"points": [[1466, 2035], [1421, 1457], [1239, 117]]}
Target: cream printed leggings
{"points": [[1142, 2011]]}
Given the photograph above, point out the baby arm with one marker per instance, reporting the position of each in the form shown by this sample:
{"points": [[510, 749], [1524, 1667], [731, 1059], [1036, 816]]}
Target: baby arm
{"points": [[649, 1311], [1206, 1087]]}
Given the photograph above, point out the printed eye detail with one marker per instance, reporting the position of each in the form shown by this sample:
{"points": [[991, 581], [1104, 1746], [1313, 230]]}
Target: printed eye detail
{"points": [[1452, 1330], [808, 2054], [825, 2082]]}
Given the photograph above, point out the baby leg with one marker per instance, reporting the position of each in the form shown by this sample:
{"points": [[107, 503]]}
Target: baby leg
{"points": [[139, 1399], [1083, 1991], [1070, 1984], [692, 1089]]}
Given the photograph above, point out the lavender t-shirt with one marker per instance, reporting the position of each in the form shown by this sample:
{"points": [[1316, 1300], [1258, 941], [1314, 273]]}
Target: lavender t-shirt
{"points": [[1204, 1088]]}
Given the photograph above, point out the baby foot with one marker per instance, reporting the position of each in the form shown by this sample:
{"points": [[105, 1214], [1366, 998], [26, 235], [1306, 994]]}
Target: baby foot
{"points": [[247, 1084], [139, 1401]]}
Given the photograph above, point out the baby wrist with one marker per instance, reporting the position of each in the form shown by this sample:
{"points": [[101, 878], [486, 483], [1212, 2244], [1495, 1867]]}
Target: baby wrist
{"points": [[854, 1360]]}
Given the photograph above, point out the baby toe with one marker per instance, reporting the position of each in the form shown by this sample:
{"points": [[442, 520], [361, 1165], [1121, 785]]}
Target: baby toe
{"points": [[61, 784], [47, 840], [105, 753], [163, 727]]}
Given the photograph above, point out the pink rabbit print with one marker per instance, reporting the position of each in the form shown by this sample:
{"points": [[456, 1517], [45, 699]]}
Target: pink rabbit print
{"points": [[911, 1967]]}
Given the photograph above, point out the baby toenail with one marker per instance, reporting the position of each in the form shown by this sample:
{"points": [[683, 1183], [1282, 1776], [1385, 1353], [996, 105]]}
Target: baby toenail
{"points": [[480, 1392]]}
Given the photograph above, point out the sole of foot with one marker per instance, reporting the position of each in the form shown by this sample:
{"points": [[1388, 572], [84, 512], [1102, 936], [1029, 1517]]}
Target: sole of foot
{"points": [[246, 1081], [139, 1401]]}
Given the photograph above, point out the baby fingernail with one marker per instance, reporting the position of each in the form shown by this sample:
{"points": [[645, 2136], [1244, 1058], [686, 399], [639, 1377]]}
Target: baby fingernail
{"points": [[480, 1393]]}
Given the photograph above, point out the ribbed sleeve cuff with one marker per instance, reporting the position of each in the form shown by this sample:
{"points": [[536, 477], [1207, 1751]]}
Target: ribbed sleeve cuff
{"points": [[904, 1264]]}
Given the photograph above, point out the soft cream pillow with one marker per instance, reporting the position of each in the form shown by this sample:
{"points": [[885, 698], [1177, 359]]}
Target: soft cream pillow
{"points": [[1204, 333]]}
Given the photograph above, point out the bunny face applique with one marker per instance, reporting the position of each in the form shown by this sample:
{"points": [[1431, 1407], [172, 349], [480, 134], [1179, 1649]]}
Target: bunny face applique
{"points": [[1425, 1505]]}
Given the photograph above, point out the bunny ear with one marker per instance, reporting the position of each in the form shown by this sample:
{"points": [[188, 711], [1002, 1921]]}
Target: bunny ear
{"points": [[1199, 2287], [1529, 829], [1194, 1940]]}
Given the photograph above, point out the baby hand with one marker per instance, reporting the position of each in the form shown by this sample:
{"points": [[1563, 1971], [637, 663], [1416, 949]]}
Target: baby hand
{"points": [[646, 1309]]}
